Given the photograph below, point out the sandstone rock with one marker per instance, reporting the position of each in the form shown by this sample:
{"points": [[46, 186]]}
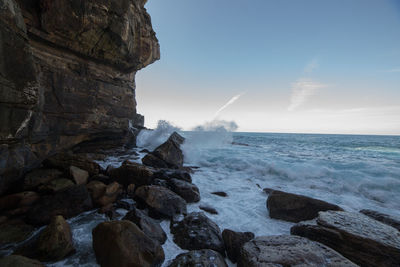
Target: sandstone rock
{"points": [[197, 231], [80, 176], [220, 194], [110, 195], [161, 200], [203, 257], [386, 219], [23, 199], [96, 189], [167, 154], [234, 241], [66, 159], [187, 191], [131, 173], [296, 208], [40, 177], [149, 226], [122, 243], [288, 250], [208, 209], [14, 231], [17, 260], [55, 185], [68, 203], [55, 241], [359, 238]]}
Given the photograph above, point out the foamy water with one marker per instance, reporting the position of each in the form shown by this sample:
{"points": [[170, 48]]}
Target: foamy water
{"points": [[355, 172]]}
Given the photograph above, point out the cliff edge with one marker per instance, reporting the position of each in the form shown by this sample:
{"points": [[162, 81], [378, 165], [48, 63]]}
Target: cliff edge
{"points": [[67, 76]]}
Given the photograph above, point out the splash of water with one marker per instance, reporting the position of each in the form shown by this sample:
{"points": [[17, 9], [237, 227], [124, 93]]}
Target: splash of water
{"points": [[150, 139]]}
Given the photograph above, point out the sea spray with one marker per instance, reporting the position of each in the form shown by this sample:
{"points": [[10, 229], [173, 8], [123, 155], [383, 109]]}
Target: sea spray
{"points": [[150, 139]]}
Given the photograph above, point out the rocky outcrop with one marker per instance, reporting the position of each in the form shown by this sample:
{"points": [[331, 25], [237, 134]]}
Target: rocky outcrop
{"points": [[122, 243], [197, 231], [359, 238], [286, 250], [234, 242], [295, 208], [67, 72], [186, 190], [203, 257], [131, 173]]}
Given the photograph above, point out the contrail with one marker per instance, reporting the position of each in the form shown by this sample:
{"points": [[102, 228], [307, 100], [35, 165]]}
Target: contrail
{"points": [[230, 102]]}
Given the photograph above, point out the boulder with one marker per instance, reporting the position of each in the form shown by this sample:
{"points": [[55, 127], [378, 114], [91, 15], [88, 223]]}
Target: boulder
{"points": [[39, 177], [189, 192], [68, 203], [149, 226], [101, 178], [18, 200], [386, 219], [122, 243], [103, 195], [197, 231], [14, 231], [358, 237], [17, 260], [131, 173], [296, 208], [80, 176], [167, 154], [64, 160], [220, 194], [161, 200], [55, 241], [55, 185], [202, 257], [286, 250], [208, 209], [234, 241], [167, 174]]}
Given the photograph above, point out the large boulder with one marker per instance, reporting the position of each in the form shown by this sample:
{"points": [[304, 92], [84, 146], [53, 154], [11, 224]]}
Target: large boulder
{"points": [[186, 190], [18, 200], [103, 195], [197, 231], [122, 243], [234, 241], [17, 260], [296, 208], [66, 159], [286, 250], [149, 226], [131, 173], [55, 186], [161, 200], [386, 219], [68, 203], [39, 177], [199, 258], [168, 154], [359, 238], [80, 176]]}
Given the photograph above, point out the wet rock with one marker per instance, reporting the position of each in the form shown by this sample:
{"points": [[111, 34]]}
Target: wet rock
{"points": [[286, 250], [80, 176], [187, 191], [122, 243], [208, 209], [203, 257], [14, 231], [197, 231], [167, 154], [358, 237], [96, 189], [102, 194], [220, 194], [384, 218], [17, 260], [40, 177], [234, 241], [161, 200], [167, 174], [109, 211], [68, 203], [66, 159], [18, 200], [55, 185], [296, 208], [131, 173], [149, 226]]}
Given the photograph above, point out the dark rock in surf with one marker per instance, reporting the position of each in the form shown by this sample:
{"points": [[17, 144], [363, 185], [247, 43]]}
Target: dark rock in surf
{"points": [[167, 174], [208, 209], [197, 231], [220, 194], [296, 208], [149, 226], [203, 257], [384, 218], [234, 241], [358, 237], [122, 243], [286, 250], [186, 190]]}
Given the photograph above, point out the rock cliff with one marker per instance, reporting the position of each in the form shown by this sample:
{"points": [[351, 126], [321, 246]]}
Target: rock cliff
{"points": [[67, 71]]}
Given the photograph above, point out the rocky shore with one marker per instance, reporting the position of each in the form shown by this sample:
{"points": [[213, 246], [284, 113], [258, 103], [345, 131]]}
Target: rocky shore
{"points": [[67, 102]]}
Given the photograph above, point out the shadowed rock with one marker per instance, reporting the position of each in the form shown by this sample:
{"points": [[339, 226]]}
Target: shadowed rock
{"points": [[17, 260], [187, 191], [131, 173], [234, 241]]}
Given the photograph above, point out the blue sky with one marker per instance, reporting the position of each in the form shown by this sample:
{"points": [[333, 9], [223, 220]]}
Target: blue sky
{"points": [[290, 66]]}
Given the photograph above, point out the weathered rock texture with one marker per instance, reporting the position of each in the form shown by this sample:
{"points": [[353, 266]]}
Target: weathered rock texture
{"points": [[67, 70]]}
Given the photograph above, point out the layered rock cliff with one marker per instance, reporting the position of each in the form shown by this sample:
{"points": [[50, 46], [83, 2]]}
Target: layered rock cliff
{"points": [[67, 70]]}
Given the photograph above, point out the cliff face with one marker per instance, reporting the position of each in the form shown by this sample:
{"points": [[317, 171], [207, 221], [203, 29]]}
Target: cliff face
{"points": [[67, 70]]}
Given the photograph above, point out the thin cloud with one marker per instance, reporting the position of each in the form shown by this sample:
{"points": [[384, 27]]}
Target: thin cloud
{"points": [[230, 102], [393, 70], [302, 90]]}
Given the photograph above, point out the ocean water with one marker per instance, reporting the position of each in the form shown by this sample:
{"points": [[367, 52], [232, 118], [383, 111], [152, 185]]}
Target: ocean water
{"points": [[355, 172]]}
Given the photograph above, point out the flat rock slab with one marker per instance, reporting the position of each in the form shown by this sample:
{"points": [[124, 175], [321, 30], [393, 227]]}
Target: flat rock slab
{"points": [[286, 250], [359, 238], [386, 219]]}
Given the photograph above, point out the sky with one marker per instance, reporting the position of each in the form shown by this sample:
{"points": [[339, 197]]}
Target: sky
{"points": [[306, 66]]}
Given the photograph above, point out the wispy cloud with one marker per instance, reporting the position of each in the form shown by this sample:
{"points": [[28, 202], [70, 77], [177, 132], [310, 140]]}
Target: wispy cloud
{"points": [[302, 90], [230, 102], [393, 70], [311, 66]]}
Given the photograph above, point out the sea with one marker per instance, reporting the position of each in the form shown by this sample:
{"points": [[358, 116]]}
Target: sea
{"points": [[353, 171]]}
